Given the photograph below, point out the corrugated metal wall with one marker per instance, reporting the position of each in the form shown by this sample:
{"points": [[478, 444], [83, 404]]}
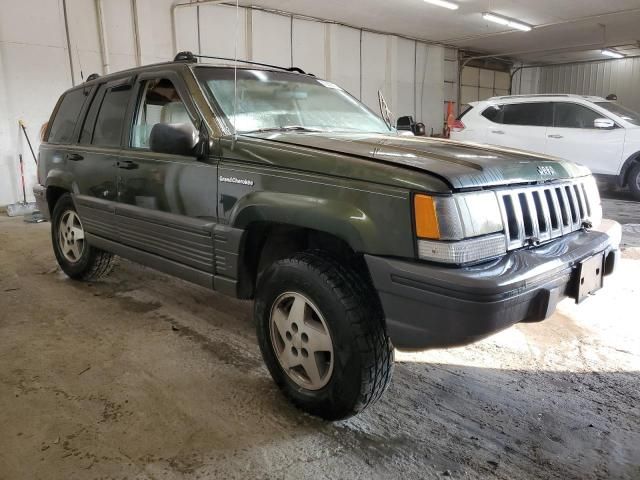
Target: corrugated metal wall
{"points": [[621, 77]]}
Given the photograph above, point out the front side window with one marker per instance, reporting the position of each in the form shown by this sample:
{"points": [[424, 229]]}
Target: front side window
{"points": [[572, 115], [65, 120], [538, 114], [159, 103], [623, 112], [110, 121], [266, 100]]}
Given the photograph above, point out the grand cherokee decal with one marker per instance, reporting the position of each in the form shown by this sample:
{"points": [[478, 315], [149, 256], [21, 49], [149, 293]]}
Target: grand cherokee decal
{"points": [[240, 181]]}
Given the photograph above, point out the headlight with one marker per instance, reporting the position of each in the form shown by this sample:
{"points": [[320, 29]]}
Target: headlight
{"points": [[461, 228]]}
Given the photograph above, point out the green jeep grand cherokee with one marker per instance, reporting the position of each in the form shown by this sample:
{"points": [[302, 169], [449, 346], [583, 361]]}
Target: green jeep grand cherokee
{"points": [[280, 187]]}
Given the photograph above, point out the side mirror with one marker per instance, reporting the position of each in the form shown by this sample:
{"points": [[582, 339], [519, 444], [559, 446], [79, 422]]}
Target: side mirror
{"points": [[174, 138], [605, 123], [405, 123], [419, 129]]}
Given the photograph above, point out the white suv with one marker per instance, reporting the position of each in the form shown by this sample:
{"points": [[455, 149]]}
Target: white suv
{"points": [[595, 132]]}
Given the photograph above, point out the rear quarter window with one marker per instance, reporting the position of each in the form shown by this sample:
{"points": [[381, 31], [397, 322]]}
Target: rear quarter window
{"points": [[493, 113], [66, 116]]}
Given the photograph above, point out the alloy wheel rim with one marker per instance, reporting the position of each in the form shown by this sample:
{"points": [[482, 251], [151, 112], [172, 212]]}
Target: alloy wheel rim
{"points": [[301, 340], [71, 236]]}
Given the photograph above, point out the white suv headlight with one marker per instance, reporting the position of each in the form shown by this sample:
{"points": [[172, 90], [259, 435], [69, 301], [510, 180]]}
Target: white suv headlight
{"points": [[460, 228]]}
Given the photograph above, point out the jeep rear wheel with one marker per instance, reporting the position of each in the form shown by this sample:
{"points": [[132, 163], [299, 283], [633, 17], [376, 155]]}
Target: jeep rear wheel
{"points": [[322, 336], [76, 257]]}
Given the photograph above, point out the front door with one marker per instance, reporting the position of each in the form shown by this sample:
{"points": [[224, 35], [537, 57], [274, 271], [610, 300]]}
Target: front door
{"points": [[166, 204], [574, 137]]}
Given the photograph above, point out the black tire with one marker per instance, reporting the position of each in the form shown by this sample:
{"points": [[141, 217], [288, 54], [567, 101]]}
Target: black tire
{"points": [[93, 263], [634, 181], [363, 354]]}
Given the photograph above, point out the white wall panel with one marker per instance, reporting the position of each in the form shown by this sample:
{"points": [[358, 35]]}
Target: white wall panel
{"points": [[430, 86], [32, 42], [271, 36], [84, 38], [218, 33], [32, 22], [621, 77], [308, 46], [344, 58], [402, 69], [154, 30], [375, 59], [118, 18], [186, 21]]}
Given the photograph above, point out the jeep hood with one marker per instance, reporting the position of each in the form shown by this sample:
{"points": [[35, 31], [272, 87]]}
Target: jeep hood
{"points": [[462, 165]]}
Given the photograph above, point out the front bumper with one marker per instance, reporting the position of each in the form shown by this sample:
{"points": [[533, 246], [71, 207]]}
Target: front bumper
{"points": [[429, 306]]}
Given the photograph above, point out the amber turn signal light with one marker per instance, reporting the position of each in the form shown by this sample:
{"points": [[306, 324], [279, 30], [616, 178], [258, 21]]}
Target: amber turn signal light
{"points": [[426, 217]]}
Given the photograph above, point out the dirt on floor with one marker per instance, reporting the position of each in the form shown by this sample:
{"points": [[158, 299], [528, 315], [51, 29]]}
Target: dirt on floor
{"points": [[142, 376]]}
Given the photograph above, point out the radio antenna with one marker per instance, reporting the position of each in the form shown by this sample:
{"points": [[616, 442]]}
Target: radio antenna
{"points": [[235, 74]]}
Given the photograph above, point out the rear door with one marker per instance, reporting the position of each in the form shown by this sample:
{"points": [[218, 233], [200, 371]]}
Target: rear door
{"points": [[574, 137], [167, 203], [93, 160], [61, 136], [519, 125]]}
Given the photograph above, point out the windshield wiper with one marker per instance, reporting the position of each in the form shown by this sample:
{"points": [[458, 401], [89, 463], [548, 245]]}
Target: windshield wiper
{"points": [[286, 128]]}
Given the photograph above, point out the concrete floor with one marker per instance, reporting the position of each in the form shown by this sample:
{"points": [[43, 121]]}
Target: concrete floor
{"points": [[145, 376]]}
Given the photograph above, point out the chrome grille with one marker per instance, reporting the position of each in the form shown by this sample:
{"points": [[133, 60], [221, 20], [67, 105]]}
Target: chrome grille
{"points": [[536, 214]]}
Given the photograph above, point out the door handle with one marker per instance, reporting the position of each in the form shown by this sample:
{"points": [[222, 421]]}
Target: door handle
{"points": [[74, 157], [127, 165], [555, 136], [499, 132]]}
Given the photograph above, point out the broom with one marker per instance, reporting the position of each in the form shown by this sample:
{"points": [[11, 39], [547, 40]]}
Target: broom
{"points": [[21, 208]]}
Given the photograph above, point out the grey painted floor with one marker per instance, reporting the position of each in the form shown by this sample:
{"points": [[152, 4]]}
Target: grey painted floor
{"points": [[147, 377]]}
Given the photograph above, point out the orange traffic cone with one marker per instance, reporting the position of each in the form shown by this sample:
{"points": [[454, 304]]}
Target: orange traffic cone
{"points": [[450, 119]]}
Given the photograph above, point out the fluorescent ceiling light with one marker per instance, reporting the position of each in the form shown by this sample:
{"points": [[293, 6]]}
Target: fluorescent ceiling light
{"points": [[508, 22], [611, 53], [443, 3]]}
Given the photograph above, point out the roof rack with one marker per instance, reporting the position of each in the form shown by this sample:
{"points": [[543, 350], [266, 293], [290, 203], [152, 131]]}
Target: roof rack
{"points": [[193, 58], [93, 76], [536, 95]]}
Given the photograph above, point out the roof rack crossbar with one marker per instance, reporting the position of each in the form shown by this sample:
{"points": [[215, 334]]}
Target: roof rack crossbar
{"points": [[188, 55]]}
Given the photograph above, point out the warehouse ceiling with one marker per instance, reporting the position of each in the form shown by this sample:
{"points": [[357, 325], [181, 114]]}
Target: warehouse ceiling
{"points": [[564, 30]]}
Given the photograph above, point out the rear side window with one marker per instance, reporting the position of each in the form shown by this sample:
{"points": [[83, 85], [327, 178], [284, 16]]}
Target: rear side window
{"points": [[86, 134], [572, 115], [66, 117], [110, 121], [493, 113], [538, 114]]}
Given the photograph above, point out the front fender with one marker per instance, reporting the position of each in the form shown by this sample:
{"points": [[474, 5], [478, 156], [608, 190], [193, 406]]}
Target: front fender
{"points": [[361, 225]]}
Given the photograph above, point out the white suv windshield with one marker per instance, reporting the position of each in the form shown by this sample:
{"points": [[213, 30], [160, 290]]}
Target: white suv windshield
{"points": [[623, 112], [269, 100]]}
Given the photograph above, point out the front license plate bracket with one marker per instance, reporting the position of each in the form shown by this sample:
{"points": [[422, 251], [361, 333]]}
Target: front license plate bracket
{"points": [[589, 276]]}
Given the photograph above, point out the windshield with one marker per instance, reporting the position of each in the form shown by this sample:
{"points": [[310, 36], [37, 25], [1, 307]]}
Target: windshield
{"points": [[623, 112], [269, 100]]}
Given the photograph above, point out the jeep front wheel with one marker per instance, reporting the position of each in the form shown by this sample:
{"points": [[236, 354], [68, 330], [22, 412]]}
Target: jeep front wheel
{"points": [[322, 335]]}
